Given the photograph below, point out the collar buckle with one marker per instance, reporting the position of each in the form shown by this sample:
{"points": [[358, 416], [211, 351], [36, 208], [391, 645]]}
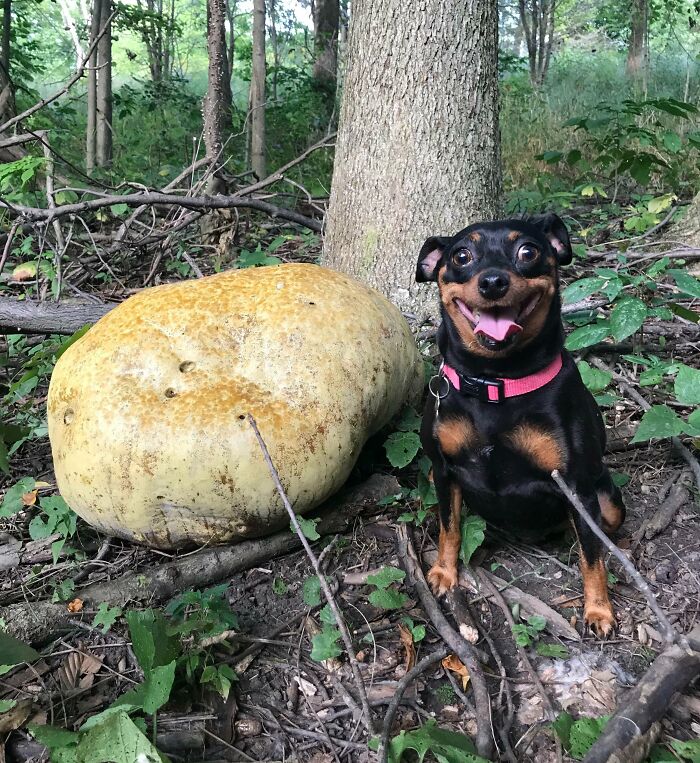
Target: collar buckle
{"points": [[486, 390]]}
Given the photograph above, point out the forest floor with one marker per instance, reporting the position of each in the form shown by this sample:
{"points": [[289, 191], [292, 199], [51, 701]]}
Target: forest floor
{"points": [[286, 706]]}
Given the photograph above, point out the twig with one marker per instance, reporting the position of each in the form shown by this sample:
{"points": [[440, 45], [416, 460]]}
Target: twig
{"points": [[462, 648], [670, 634], [681, 449], [342, 627], [151, 198], [498, 598], [425, 664], [8, 244]]}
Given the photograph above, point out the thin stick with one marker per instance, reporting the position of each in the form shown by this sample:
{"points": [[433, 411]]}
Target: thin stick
{"points": [[425, 664], [321, 578], [670, 634], [460, 646]]}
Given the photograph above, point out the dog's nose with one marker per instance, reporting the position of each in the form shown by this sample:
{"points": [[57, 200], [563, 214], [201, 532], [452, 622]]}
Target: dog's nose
{"points": [[493, 284]]}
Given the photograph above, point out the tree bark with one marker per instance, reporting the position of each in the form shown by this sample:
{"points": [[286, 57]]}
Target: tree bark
{"points": [[537, 21], [47, 317], [418, 144], [257, 92], [637, 50], [687, 229], [69, 23], [7, 91], [103, 154], [217, 102], [326, 29], [91, 136]]}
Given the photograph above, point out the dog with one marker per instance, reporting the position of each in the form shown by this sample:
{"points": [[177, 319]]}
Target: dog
{"points": [[508, 405]]}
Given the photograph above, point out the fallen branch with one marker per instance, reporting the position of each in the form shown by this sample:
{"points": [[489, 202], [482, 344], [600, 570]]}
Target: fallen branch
{"points": [[425, 664], [670, 634], [153, 198], [36, 621], [677, 496], [339, 619], [462, 648], [48, 317], [648, 702]]}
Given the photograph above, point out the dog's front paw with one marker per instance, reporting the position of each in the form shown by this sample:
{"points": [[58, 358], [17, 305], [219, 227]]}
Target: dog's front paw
{"points": [[442, 579], [600, 619]]}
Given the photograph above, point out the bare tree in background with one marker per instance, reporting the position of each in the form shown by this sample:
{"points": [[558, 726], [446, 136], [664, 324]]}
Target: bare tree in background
{"points": [[98, 151], [70, 25], [217, 102], [537, 19], [257, 92], [156, 26], [637, 52], [7, 91], [418, 145]]}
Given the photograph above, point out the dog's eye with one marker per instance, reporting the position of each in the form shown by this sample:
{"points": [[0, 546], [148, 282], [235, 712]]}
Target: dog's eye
{"points": [[462, 257], [528, 253]]}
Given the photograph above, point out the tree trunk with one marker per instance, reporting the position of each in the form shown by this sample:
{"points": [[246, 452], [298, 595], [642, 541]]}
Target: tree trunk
{"points": [[326, 28], [637, 50], [418, 144], [537, 21], [272, 12], [69, 23], [217, 102], [7, 91], [103, 154], [231, 52], [257, 92], [687, 229], [91, 136]]}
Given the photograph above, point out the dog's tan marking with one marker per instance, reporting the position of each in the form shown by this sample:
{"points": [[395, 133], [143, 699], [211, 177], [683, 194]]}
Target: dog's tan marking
{"points": [[455, 435], [610, 512], [539, 446], [597, 609], [474, 236], [443, 574], [514, 235]]}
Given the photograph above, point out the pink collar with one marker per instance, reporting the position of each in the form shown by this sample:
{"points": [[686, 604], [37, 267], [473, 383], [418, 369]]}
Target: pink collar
{"points": [[496, 390]]}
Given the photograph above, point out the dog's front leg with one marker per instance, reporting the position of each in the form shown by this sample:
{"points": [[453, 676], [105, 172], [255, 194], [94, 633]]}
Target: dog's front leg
{"points": [[598, 612], [443, 574]]}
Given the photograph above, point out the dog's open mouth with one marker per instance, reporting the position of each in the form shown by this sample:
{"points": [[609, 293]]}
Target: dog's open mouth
{"points": [[496, 327]]}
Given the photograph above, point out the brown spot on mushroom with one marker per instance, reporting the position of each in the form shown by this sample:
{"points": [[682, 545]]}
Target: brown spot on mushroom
{"points": [[170, 392], [541, 447], [68, 416], [186, 365]]}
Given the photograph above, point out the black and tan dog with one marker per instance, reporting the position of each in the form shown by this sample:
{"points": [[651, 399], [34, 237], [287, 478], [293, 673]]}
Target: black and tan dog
{"points": [[509, 405]]}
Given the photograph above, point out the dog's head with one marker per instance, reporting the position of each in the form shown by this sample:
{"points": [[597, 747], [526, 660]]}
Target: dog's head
{"points": [[498, 280]]}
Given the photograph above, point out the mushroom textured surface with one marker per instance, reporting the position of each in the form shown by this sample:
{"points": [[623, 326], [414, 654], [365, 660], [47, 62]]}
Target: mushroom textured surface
{"points": [[147, 411]]}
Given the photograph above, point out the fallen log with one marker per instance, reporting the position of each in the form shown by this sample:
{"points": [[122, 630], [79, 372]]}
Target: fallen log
{"points": [[647, 703], [36, 621], [48, 317]]}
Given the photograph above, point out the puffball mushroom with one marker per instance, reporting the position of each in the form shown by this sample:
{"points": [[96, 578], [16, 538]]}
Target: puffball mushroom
{"points": [[147, 411]]}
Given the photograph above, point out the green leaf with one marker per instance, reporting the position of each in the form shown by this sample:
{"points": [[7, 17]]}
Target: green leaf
{"points": [[685, 282], [473, 527], [684, 312], [550, 157], [688, 750], [562, 727], [7, 704], [584, 733], [4, 460], [14, 652], [153, 693], [106, 616], [595, 379], [386, 576], [117, 739], [119, 209], [326, 615], [537, 622], [387, 598], [52, 737], [401, 448], [445, 746], [12, 503], [308, 527], [279, 587], [687, 385], [552, 650], [409, 421], [582, 288], [672, 142], [311, 591], [152, 643], [587, 335], [661, 204], [657, 423], [324, 645], [627, 317]]}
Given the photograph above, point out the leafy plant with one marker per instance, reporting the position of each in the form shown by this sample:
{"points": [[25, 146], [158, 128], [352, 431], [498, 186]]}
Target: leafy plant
{"points": [[385, 595], [526, 633], [473, 528], [578, 736], [445, 746]]}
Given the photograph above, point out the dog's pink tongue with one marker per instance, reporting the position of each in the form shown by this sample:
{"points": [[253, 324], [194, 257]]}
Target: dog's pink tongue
{"points": [[498, 323]]}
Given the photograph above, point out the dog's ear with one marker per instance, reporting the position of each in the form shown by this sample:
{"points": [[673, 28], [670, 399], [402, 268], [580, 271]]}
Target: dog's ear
{"points": [[430, 257], [554, 229]]}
